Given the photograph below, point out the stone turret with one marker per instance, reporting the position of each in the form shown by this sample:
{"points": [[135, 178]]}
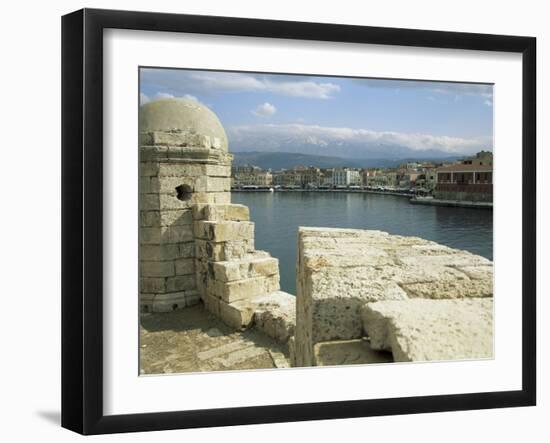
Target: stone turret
{"points": [[194, 244], [183, 162]]}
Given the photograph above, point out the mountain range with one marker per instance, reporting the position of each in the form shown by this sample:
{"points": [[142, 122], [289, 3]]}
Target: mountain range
{"points": [[287, 160]]}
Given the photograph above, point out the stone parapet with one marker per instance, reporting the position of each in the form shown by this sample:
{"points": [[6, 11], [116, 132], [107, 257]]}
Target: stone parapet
{"points": [[341, 270]]}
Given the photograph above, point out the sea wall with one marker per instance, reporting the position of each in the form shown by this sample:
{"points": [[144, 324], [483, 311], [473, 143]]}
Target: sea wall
{"points": [[485, 197]]}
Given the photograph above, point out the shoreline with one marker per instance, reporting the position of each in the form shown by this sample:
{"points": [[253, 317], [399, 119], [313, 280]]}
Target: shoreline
{"points": [[352, 191], [451, 203], [412, 199]]}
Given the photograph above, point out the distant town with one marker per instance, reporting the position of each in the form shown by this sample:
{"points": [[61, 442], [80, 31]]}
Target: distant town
{"points": [[467, 180]]}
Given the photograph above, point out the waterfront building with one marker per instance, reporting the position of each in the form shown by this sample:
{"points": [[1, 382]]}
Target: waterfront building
{"points": [[310, 177], [430, 177], [469, 180], [346, 177], [326, 178], [286, 177], [249, 175]]}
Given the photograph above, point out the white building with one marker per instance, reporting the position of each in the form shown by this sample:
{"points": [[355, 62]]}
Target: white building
{"points": [[346, 177]]}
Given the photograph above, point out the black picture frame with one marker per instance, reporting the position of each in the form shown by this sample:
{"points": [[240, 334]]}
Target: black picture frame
{"points": [[82, 218]]}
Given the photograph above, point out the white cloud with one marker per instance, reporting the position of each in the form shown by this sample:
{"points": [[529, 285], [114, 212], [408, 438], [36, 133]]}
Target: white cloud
{"points": [[243, 82], [178, 81], [488, 102], [143, 98], [275, 136], [456, 89], [265, 110], [162, 95], [191, 97]]}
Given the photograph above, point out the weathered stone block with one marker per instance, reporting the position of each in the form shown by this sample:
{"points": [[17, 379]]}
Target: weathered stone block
{"points": [[149, 218], [211, 304], [168, 185], [157, 268], [180, 170], [145, 185], [152, 285], [192, 298], [185, 266], [187, 250], [339, 270], [218, 170], [152, 153], [275, 315], [178, 217], [264, 267], [242, 289], [213, 184], [216, 198], [148, 169], [222, 251], [426, 330], [230, 212], [236, 315], [148, 236], [253, 265], [181, 283], [159, 252], [170, 201], [169, 302], [272, 283], [146, 302], [149, 202], [177, 234], [224, 231]]}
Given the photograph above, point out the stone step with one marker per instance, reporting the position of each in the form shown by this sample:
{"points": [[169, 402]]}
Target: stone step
{"points": [[256, 264], [244, 289], [223, 251], [230, 212], [274, 314], [222, 231]]}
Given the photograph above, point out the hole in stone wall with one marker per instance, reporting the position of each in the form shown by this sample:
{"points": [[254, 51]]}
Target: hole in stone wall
{"points": [[183, 192]]}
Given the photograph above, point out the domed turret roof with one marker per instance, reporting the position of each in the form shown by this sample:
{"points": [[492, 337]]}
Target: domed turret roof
{"points": [[181, 114]]}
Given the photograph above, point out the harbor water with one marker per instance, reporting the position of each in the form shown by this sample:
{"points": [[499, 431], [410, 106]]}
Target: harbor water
{"points": [[278, 215]]}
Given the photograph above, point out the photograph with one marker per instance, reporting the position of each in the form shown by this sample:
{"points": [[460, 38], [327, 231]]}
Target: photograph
{"points": [[291, 220]]}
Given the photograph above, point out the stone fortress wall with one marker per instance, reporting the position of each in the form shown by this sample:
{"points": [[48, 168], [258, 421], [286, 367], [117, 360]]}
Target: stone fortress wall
{"points": [[362, 296], [361, 291]]}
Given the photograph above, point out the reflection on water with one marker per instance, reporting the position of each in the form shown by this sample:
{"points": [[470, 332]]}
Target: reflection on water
{"points": [[278, 215]]}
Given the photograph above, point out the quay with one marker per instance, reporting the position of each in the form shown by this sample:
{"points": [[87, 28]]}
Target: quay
{"points": [[413, 199], [405, 193], [450, 203]]}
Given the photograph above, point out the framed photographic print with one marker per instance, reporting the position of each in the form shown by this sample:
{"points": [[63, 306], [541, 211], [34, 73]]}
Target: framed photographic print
{"points": [[270, 221]]}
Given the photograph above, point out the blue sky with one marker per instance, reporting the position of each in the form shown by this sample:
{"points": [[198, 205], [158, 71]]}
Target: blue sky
{"points": [[455, 118]]}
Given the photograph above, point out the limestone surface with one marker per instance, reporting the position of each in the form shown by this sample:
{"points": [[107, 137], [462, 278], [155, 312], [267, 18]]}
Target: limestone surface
{"points": [[192, 340], [178, 114], [341, 270], [426, 330], [273, 313]]}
